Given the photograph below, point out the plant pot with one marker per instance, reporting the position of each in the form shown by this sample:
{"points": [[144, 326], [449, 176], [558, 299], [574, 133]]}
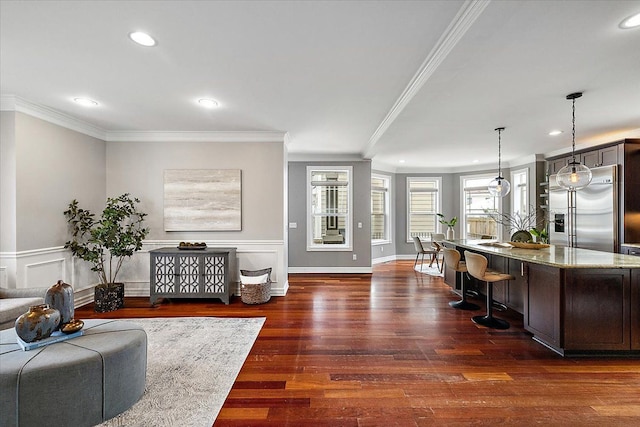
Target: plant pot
{"points": [[108, 297]]}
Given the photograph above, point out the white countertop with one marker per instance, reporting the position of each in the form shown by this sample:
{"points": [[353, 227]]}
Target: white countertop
{"points": [[555, 256]]}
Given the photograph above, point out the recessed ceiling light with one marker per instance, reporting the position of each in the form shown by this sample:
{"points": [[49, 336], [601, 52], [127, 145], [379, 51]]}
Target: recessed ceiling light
{"points": [[400, 161], [143, 39], [475, 161], [85, 102], [208, 103], [631, 22], [555, 132]]}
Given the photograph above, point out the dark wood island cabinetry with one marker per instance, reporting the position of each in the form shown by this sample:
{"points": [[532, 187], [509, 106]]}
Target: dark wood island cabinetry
{"points": [[574, 301]]}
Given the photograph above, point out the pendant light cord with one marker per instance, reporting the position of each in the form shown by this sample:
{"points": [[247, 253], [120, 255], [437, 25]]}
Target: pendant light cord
{"points": [[573, 130], [499, 151]]}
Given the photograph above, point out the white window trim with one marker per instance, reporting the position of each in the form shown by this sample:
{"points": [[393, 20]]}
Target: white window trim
{"points": [[513, 188], [378, 242], [348, 244], [463, 212], [438, 179]]}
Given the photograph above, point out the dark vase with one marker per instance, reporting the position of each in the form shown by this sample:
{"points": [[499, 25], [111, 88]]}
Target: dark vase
{"points": [[37, 323], [60, 297]]}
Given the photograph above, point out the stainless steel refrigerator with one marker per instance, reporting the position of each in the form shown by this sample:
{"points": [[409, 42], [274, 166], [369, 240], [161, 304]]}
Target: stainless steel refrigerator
{"points": [[596, 212]]}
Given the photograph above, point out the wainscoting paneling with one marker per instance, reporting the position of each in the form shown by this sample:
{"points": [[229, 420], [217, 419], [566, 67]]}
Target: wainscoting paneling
{"points": [[44, 273], [3, 277], [43, 267]]}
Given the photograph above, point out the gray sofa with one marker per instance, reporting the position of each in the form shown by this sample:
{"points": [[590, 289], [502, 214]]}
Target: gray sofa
{"points": [[14, 302]]}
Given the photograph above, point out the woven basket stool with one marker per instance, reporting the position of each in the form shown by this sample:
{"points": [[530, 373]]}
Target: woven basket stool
{"points": [[256, 293]]}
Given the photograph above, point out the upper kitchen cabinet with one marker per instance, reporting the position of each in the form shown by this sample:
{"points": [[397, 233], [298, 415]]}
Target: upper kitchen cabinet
{"points": [[606, 156], [556, 164]]}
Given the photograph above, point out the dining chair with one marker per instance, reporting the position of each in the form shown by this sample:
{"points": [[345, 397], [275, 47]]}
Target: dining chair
{"points": [[421, 251]]}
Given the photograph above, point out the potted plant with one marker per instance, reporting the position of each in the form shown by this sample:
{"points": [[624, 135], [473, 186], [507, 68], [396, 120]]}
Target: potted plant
{"points": [[105, 242], [450, 224]]}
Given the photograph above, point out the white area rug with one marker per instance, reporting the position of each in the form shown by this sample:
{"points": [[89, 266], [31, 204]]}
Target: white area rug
{"points": [[192, 363], [431, 271]]}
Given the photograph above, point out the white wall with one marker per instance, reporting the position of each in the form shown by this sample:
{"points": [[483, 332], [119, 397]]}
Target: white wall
{"points": [[138, 168], [44, 167]]}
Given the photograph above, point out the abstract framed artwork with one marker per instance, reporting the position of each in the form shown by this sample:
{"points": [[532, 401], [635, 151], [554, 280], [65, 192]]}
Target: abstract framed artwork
{"points": [[202, 200]]}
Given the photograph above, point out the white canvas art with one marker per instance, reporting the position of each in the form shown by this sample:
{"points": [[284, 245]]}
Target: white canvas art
{"points": [[202, 200]]}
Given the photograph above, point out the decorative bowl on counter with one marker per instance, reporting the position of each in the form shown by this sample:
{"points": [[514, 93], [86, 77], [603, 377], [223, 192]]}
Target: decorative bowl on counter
{"points": [[529, 245]]}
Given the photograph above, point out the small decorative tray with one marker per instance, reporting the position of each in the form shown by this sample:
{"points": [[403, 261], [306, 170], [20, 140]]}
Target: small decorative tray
{"points": [[192, 246], [523, 245]]}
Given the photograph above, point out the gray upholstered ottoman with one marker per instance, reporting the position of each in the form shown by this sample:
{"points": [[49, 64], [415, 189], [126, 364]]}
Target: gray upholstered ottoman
{"points": [[79, 382]]}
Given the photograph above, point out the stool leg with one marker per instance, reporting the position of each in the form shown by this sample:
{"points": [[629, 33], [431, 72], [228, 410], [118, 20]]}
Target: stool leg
{"points": [[463, 304], [488, 320]]}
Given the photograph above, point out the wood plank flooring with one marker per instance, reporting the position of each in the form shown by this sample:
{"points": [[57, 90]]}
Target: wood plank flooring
{"points": [[387, 350]]}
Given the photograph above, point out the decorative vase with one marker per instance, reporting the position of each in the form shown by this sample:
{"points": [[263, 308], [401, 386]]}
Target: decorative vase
{"points": [[451, 233], [60, 297], [108, 297], [522, 236], [37, 323]]}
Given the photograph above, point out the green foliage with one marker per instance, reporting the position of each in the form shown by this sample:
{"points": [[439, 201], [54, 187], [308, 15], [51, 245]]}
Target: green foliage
{"points": [[452, 222], [116, 235], [541, 234]]}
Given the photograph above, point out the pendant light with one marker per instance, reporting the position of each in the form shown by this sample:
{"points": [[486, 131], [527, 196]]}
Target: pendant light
{"points": [[499, 187], [574, 175]]}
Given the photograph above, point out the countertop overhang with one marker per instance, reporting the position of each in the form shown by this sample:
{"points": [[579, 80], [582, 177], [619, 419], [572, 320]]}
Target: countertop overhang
{"points": [[554, 256]]}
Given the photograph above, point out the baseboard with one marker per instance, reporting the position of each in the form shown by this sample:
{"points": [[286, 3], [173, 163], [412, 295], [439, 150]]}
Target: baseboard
{"points": [[338, 270], [383, 259]]}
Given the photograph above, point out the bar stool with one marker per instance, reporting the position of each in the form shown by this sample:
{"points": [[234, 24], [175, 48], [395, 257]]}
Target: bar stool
{"points": [[477, 267], [452, 259]]}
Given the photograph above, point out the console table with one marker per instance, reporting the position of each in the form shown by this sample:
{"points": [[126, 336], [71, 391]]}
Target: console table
{"points": [[191, 273]]}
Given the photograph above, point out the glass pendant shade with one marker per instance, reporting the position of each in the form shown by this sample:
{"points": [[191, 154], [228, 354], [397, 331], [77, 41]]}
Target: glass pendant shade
{"points": [[499, 187], [574, 176]]}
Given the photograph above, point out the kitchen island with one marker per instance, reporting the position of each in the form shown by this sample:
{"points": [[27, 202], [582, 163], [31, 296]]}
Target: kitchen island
{"points": [[574, 301]]}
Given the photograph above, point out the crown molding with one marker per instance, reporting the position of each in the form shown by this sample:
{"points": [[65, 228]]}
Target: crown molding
{"points": [[464, 19], [326, 157], [195, 136], [15, 103]]}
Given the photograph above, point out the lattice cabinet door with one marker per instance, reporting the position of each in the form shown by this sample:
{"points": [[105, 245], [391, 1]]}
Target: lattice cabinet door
{"points": [[189, 275], [215, 274], [163, 275]]}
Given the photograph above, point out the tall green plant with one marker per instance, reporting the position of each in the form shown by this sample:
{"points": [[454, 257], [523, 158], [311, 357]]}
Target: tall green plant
{"points": [[107, 241]]}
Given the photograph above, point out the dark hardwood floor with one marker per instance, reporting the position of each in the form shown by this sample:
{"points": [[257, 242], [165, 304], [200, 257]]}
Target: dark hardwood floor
{"points": [[387, 350]]}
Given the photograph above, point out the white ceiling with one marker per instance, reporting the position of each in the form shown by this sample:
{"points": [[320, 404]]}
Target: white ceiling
{"points": [[421, 81]]}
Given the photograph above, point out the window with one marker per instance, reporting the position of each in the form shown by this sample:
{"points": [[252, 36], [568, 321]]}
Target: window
{"points": [[380, 209], [519, 194], [329, 208], [423, 203], [477, 205]]}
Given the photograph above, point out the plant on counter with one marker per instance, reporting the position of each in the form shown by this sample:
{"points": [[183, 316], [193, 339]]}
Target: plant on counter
{"points": [[541, 234], [523, 226], [107, 241], [452, 222]]}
